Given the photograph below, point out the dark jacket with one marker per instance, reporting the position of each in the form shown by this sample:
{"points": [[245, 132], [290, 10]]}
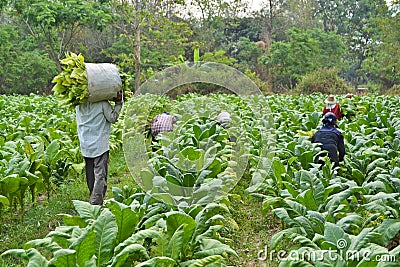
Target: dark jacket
{"points": [[332, 141]]}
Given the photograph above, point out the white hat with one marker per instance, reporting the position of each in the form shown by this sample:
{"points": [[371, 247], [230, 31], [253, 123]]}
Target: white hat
{"points": [[330, 100]]}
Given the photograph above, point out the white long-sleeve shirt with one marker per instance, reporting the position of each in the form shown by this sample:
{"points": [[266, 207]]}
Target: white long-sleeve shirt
{"points": [[94, 122]]}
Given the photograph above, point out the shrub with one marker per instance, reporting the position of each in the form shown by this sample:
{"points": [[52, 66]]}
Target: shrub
{"points": [[395, 90], [28, 72], [324, 81]]}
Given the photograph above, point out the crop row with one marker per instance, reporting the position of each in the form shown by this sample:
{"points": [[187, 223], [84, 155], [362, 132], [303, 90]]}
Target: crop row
{"points": [[351, 210], [39, 148]]}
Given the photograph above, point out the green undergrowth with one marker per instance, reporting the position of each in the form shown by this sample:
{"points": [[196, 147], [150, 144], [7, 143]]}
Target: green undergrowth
{"points": [[39, 219]]}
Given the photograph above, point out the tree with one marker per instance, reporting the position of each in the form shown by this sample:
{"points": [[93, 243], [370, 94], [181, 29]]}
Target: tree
{"points": [[211, 20], [56, 25], [247, 54], [24, 68], [152, 26], [354, 21], [383, 61], [277, 16], [130, 20], [306, 50]]}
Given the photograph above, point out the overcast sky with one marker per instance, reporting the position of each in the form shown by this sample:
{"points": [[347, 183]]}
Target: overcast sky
{"points": [[256, 4], [252, 4]]}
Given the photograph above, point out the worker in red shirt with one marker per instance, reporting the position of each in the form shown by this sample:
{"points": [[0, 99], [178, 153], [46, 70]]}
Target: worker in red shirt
{"points": [[332, 106]]}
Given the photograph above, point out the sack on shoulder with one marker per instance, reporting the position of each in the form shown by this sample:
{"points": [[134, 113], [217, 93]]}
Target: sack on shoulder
{"points": [[104, 81]]}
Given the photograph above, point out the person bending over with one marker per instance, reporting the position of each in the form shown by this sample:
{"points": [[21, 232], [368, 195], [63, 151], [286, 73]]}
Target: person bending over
{"points": [[331, 139]]}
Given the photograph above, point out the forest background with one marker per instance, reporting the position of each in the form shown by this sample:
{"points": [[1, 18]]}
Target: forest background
{"points": [[283, 46]]}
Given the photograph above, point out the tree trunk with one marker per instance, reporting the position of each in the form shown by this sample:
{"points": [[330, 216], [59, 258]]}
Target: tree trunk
{"points": [[137, 60], [137, 47]]}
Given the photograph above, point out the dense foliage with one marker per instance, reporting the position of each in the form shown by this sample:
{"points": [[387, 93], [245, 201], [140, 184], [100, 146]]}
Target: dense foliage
{"points": [[280, 42]]}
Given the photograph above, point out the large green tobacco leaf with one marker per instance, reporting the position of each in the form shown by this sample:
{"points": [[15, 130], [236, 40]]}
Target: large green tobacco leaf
{"points": [[18, 253], [62, 235], [10, 184], [306, 224], [357, 176], [91, 262], [384, 203], [106, 231], [298, 216], [72, 84], [283, 214], [362, 240], [176, 243], [296, 208], [208, 212], [32, 255], [85, 246], [127, 220], [334, 235], [175, 219], [214, 260], [387, 231], [305, 242], [191, 153], [209, 247], [4, 200], [46, 243], [36, 259], [64, 257], [278, 171], [52, 151], [157, 262], [73, 220], [86, 211], [132, 249], [351, 223], [138, 238], [334, 201]]}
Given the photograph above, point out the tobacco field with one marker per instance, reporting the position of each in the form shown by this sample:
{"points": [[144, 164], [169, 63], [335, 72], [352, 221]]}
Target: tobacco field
{"points": [[346, 216]]}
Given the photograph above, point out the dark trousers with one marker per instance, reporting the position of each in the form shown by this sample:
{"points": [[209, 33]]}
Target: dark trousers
{"points": [[96, 177]]}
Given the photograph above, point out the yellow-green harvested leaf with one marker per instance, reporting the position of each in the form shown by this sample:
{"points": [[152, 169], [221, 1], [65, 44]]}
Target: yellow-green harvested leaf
{"points": [[71, 84]]}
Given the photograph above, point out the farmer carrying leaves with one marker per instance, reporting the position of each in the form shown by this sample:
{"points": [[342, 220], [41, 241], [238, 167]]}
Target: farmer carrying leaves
{"points": [[94, 122]]}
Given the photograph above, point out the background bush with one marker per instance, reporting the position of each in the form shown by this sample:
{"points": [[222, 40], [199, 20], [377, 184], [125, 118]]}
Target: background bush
{"points": [[24, 67], [324, 81], [395, 90]]}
